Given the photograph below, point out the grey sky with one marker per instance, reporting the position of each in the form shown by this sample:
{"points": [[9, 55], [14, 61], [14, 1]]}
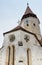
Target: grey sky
{"points": [[12, 10]]}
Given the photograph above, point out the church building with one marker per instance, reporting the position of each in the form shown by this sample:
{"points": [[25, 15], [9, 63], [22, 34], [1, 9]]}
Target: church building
{"points": [[23, 44]]}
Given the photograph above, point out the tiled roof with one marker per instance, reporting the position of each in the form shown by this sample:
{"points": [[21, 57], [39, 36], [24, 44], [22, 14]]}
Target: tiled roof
{"points": [[28, 10], [28, 13]]}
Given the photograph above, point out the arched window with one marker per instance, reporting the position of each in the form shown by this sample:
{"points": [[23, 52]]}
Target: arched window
{"points": [[29, 61], [8, 56], [10, 52], [13, 53]]}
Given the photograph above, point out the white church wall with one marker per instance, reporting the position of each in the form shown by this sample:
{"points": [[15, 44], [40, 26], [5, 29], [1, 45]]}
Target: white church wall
{"points": [[7, 41], [21, 51], [3, 56], [36, 56], [35, 48]]}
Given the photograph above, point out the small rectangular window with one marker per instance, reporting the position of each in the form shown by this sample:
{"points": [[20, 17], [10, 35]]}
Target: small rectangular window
{"points": [[21, 61]]}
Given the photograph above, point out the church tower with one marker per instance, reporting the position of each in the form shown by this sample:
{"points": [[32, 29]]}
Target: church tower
{"points": [[22, 45], [30, 22]]}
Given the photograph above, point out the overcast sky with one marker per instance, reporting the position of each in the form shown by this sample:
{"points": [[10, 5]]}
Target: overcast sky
{"points": [[12, 10]]}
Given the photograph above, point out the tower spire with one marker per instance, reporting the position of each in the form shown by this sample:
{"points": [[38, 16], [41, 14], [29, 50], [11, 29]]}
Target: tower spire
{"points": [[28, 13], [27, 4]]}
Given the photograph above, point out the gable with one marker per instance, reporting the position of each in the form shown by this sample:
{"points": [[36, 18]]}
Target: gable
{"points": [[20, 28]]}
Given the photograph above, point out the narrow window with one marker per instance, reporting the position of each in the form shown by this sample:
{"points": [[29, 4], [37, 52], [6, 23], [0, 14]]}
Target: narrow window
{"points": [[21, 61], [29, 60], [28, 56], [13, 53], [8, 55], [27, 24], [34, 24]]}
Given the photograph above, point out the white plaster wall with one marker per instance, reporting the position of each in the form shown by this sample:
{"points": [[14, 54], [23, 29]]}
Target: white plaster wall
{"points": [[7, 41], [36, 56], [21, 51], [3, 56], [33, 45]]}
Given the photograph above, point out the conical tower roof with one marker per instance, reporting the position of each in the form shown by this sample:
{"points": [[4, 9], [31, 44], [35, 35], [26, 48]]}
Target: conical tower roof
{"points": [[28, 10], [28, 13]]}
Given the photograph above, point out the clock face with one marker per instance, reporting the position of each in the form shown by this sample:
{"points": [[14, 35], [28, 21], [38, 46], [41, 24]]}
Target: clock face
{"points": [[11, 37], [26, 23]]}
